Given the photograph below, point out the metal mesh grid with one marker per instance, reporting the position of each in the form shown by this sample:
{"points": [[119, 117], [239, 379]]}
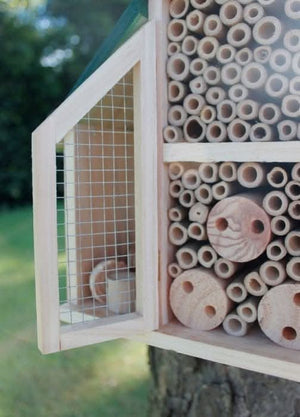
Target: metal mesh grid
{"points": [[95, 210]]}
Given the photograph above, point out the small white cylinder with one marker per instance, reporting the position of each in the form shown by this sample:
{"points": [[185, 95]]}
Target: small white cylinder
{"points": [[247, 310], [204, 194], [177, 30], [236, 290], [175, 188], [177, 214], [213, 26], [215, 95], [228, 171], [276, 250], [253, 12], [187, 256], [294, 210], [280, 60], [187, 198], [207, 256], [247, 109], [291, 40], [173, 134], [277, 177], [179, 8], [234, 325], [174, 48], [177, 115], [292, 243], [275, 203], [244, 56], [295, 85], [216, 132], [198, 66], [193, 104], [174, 270], [224, 268], [269, 113], [198, 213], [190, 179], [224, 189], [238, 130], [194, 129], [287, 130], [198, 85], [293, 268], [238, 92], [291, 106], [176, 91], [254, 284], [296, 63], [189, 45], [254, 75], [207, 48], [292, 190], [239, 35], [251, 174], [281, 225], [197, 231], [292, 9], [296, 172], [208, 114], [178, 67], [231, 73], [262, 54], [178, 234], [277, 85], [226, 111], [231, 13], [225, 54], [273, 273], [175, 170], [209, 172], [267, 30], [212, 75], [195, 21]]}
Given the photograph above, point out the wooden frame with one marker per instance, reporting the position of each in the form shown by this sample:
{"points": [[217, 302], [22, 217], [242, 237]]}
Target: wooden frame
{"points": [[137, 53]]}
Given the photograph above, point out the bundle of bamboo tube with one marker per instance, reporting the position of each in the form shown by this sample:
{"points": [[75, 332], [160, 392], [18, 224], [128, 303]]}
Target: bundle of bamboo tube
{"points": [[234, 226], [234, 71]]}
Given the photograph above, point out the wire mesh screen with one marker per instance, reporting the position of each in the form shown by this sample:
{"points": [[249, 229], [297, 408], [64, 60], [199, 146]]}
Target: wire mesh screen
{"points": [[96, 219]]}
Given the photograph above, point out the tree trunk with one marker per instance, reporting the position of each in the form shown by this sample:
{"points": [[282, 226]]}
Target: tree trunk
{"points": [[184, 386]]}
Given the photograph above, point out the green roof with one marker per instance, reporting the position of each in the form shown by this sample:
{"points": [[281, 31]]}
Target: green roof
{"points": [[131, 20]]}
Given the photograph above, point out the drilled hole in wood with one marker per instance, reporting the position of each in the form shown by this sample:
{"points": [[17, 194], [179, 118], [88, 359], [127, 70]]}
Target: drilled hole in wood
{"points": [[221, 224], [296, 299], [289, 333], [210, 311], [188, 287], [257, 226]]}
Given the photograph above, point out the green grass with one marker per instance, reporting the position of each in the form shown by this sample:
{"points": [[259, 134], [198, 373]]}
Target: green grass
{"points": [[106, 380]]}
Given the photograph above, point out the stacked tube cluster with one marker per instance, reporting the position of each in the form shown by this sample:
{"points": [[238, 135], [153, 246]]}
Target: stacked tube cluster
{"points": [[234, 230], [234, 71]]}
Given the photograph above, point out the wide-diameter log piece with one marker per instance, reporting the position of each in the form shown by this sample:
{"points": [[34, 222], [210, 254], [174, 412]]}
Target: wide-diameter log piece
{"points": [[238, 229], [293, 268], [198, 299], [279, 315], [235, 325]]}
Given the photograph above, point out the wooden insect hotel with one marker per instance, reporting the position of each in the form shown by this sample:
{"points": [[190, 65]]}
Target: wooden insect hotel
{"points": [[167, 188]]}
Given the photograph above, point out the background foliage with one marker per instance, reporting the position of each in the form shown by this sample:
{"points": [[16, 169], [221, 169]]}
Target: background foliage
{"points": [[44, 48]]}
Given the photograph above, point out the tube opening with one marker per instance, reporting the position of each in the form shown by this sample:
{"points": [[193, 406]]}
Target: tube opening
{"points": [[254, 284], [257, 227], [296, 299], [296, 269], [194, 129], [249, 174], [235, 325], [210, 311], [267, 30], [221, 224], [289, 333], [294, 243], [188, 287], [272, 273], [247, 312]]}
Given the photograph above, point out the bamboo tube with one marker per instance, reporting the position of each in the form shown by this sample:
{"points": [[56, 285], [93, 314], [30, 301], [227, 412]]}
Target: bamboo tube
{"points": [[244, 56], [291, 40], [174, 270], [193, 104], [190, 179], [207, 256], [178, 8], [228, 171], [254, 76], [173, 48], [175, 170], [226, 111], [238, 130], [295, 85], [209, 172], [177, 214], [194, 129], [175, 188], [212, 75], [205, 5], [293, 268], [247, 310], [279, 315], [214, 27], [292, 9], [277, 85], [231, 73], [276, 250], [203, 194], [253, 13], [267, 30], [198, 299], [296, 172], [238, 229], [237, 93], [197, 231], [231, 13], [269, 113], [281, 225], [247, 109], [208, 114], [178, 67], [198, 66], [198, 85], [177, 30], [224, 189], [280, 60], [225, 54], [195, 21], [198, 213], [224, 268], [207, 48], [287, 130], [177, 115], [187, 256], [273, 273], [294, 210], [235, 325], [291, 106], [176, 91], [236, 290], [178, 234], [292, 190], [172, 134], [262, 54], [275, 203], [292, 243], [215, 95], [254, 284], [189, 45], [216, 132], [261, 132], [251, 175], [187, 198], [277, 177], [239, 35]]}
